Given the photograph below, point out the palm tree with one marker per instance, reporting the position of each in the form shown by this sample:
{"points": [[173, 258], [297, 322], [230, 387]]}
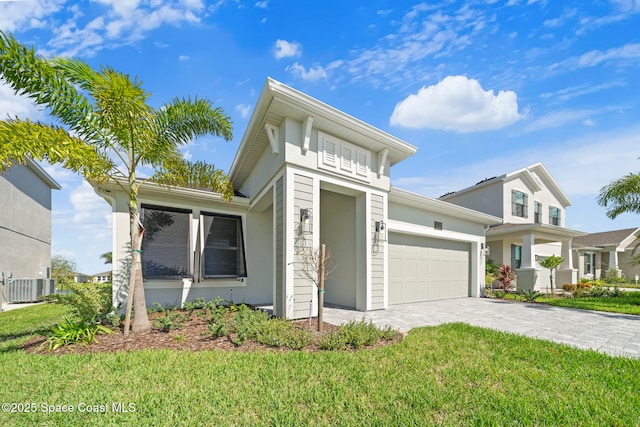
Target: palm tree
{"points": [[622, 195], [107, 257], [109, 133]]}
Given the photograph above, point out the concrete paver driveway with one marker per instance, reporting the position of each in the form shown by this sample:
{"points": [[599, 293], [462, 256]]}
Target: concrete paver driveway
{"points": [[616, 334]]}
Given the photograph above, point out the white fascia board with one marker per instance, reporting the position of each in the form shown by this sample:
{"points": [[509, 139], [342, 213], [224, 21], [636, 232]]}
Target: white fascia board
{"points": [[181, 193], [306, 102], [421, 230], [404, 197], [629, 239]]}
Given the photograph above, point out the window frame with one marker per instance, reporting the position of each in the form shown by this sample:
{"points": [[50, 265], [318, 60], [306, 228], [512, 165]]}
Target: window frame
{"points": [[590, 263], [189, 212], [515, 205], [555, 220], [537, 212], [239, 248]]}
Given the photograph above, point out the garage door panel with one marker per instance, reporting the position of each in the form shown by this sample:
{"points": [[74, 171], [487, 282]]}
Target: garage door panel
{"points": [[422, 269]]}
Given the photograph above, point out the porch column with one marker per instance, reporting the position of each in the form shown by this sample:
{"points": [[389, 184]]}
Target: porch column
{"points": [[528, 255], [527, 274], [566, 273], [613, 259]]}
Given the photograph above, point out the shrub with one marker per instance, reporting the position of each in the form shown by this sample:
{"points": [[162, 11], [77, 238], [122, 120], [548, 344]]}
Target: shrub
{"points": [[612, 275], [247, 322], [90, 301], [530, 296], [156, 307], [499, 293], [332, 341], [169, 321], [191, 306], [358, 334], [506, 277], [568, 287], [585, 285], [282, 333], [74, 331]]}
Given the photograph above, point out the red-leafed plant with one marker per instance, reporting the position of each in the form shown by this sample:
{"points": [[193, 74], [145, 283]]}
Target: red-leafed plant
{"points": [[506, 276]]}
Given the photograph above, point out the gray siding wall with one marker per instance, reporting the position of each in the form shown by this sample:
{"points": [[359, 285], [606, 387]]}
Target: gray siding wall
{"points": [[377, 255], [279, 303], [302, 288], [25, 223]]}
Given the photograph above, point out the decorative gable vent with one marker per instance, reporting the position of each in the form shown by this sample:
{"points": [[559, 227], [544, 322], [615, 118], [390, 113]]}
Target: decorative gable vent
{"points": [[344, 158]]}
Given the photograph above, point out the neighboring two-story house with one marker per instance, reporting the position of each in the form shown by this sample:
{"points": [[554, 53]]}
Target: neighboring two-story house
{"points": [[25, 221], [532, 207], [306, 174]]}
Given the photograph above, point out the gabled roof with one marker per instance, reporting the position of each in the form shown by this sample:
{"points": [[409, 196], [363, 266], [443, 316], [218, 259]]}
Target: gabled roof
{"points": [[607, 238], [536, 176], [544, 233], [278, 101]]}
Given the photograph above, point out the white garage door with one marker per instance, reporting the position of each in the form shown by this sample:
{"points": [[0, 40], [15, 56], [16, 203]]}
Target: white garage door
{"points": [[423, 268]]}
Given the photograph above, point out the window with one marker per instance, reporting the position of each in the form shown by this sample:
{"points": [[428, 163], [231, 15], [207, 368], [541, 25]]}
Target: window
{"points": [[537, 216], [590, 263], [223, 252], [554, 215], [165, 243], [516, 256], [519, 204]]}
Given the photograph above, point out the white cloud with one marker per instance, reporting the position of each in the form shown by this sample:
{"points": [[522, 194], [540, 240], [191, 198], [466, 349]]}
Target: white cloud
{"points": [[15, 105], [262, 4], [285, 49], [92, 214], [21, 15], [183, 58], [312, 74], [459, 104], [595, 57], [244, 110]]}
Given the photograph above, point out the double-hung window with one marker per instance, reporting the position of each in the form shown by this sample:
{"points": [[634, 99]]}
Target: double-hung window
{"points": [[223, 250], [519, 204], [537, 215], [165, 243], [554, 215]]}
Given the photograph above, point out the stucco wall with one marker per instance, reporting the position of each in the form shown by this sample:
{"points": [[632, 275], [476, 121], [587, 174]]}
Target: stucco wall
{"points": [[25, 223]]}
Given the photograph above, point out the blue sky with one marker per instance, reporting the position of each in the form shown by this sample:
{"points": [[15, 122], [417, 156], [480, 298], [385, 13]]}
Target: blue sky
{"points": [[481, 87]]}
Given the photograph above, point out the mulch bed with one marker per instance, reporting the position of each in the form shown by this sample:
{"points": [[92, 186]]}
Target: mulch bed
{"points": [[192, 336]]}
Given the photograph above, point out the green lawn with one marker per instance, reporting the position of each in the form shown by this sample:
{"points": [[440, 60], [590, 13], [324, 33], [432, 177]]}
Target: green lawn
{"points": [[447, 375], [628, 303], [18, 325]]}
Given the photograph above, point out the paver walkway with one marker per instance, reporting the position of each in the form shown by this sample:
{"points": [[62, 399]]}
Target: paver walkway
{"points": [[616, 334]]}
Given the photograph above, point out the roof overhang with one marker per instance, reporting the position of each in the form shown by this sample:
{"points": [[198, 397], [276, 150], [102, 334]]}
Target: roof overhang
{"points": [[544, 233], [278, 101], [108, 190], [407, 198], [42, 174]]}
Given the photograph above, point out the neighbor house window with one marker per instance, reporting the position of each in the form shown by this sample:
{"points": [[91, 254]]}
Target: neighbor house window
{"points": [[554, 215], [537, 216], [516, 256], [223, 252], [519, 204], [590, 263], [165, 243]]}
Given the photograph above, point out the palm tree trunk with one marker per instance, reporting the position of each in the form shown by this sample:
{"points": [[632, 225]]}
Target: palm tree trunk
{"points": [[136, 295]]}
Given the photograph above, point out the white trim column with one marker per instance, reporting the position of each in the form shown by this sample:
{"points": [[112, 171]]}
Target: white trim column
{"points": [[527, 274], [566, 273]]}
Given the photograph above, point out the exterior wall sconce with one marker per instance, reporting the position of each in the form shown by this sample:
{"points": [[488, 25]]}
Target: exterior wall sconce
{"points": [[381, 228], [305, 215], [485, 250]]}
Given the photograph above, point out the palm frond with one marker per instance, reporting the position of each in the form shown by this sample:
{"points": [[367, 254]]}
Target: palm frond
{"points": [[38, 79], [21, 139], [201, 175], [622, 195]]}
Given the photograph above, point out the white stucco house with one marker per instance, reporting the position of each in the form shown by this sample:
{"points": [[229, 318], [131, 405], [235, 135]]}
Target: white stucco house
{"points": [[305, 174], [596, 253], [532, 211]]}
